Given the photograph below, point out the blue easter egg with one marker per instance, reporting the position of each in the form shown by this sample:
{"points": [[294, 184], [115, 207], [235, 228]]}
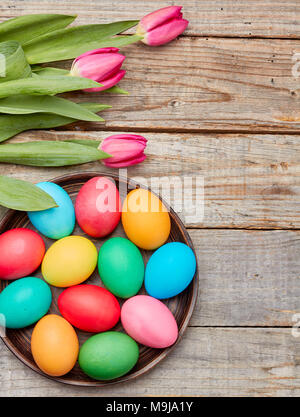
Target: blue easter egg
{"points": [[170, 270], [57, 222], [24, 302]]}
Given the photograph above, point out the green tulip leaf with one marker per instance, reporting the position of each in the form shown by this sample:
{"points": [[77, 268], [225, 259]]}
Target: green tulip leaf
{"points": [[11, 125], [45, 86], [70, 42], [119, 41], [13, 64], [26, 28], [85, 142], [46, 104], [49, 72], [116, 90], [22, 195], [49, 153]]}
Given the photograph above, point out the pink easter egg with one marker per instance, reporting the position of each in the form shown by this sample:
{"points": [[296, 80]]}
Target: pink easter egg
{"points": [[149, 321]]}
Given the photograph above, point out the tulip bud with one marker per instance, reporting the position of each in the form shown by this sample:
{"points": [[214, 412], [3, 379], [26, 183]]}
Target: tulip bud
{"points": [[162, 26], [125, 149], [101, 65]]}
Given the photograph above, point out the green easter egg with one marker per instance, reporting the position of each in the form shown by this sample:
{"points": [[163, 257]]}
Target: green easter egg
{"points": [[121, 267], [108, 355]]}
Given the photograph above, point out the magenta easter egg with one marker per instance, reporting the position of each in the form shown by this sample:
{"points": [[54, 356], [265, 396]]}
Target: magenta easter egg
{"points": [[149, 321], [21, 253], [98, 207]]}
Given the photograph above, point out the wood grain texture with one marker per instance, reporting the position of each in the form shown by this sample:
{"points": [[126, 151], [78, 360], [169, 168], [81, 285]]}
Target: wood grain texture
{"points": [[208, 361], [203, 84], [247, 278], [276, 18], [250, 181]]}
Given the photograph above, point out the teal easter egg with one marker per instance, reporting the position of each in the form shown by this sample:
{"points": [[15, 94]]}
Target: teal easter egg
{"points": [[24, 302], [57, 222]]}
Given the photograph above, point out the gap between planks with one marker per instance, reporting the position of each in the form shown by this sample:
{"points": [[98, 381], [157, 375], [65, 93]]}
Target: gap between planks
{"points": [[238, 327], [248, 229], [254, 131]]}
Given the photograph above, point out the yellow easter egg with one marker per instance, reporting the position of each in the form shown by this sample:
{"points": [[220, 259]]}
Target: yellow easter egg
{"points": [[69, 261], [145, 219]]}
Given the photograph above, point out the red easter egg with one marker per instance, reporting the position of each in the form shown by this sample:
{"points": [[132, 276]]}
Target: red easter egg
{"points": [[98, 207], [21, 253], [89, 308]]}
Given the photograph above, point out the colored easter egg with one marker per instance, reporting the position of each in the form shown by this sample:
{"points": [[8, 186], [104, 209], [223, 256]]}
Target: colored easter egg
{"points": [[145, 219], [25, 301], [69, 261], [89, 308], [149, 321], [98, 207], [54, 345], [57, 222], [108, 355], [121, 267], [21, 253], [170, 270]]}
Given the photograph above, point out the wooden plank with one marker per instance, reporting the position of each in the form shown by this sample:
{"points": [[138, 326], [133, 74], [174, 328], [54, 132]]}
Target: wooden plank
{"points": [[203, 84], [208, 361], [247, 278], [250, 181], [279, 18]]}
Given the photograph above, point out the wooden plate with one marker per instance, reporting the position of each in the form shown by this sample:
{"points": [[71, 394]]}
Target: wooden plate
{"points": [[18, 341]]}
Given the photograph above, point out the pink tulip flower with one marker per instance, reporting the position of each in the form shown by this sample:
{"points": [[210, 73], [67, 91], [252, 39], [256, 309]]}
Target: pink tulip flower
{"points": [[125, 149], [102, 65], [162, 26]]}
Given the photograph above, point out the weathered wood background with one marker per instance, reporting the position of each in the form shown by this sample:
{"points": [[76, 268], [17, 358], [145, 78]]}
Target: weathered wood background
{"points": [[220, 102]]}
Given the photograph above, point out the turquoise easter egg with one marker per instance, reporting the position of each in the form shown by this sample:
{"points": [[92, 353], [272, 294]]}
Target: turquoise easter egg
{"points": [[170, 270], [24, 302], [57, 222]]}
